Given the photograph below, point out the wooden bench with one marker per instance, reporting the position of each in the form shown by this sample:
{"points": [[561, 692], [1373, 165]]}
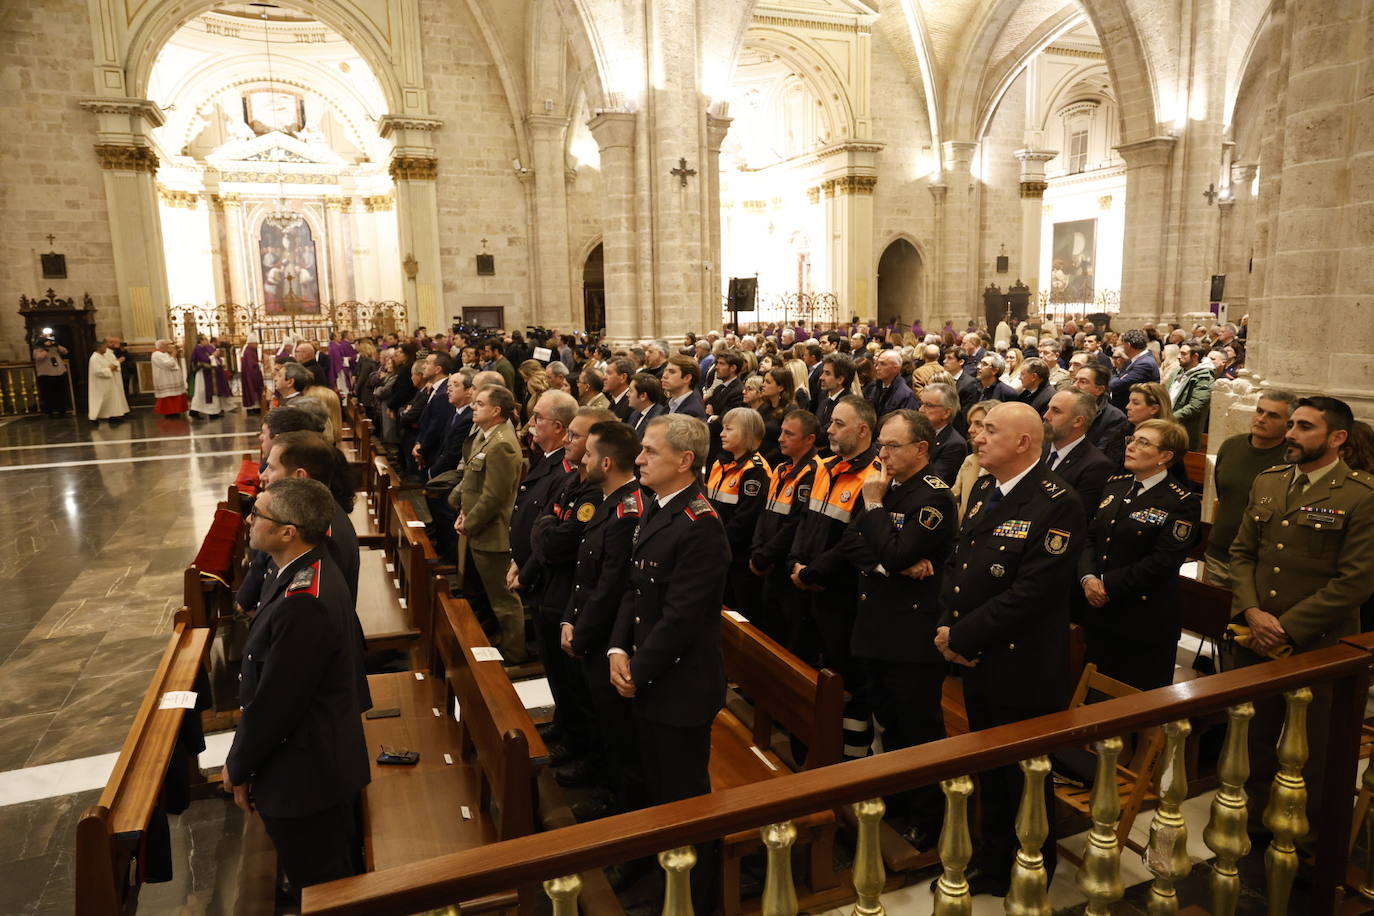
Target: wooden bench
{"points": [[208, 583], [808, 703], [110, 834], [394, 588]]}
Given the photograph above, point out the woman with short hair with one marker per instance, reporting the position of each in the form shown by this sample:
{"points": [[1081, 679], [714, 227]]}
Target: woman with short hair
{"points": [[737, 486]]}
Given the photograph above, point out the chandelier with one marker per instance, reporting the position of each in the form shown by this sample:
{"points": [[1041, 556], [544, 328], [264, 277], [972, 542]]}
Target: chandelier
{"points": [[283, 218]]}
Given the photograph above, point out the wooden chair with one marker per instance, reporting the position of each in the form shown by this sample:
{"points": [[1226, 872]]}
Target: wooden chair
{"points": [[1134, 780], [1195, 466]]}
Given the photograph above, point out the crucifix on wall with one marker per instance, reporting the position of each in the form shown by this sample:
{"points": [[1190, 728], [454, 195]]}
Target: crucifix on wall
{"points": [[54, 264], [682, 172]]}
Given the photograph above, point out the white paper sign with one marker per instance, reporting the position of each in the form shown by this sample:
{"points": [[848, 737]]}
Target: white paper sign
{"points": [[736, 616], [486, 654], [448, 759], [467, 813], [419, 675], [543, 354], [415, 523], [178, 699], [435, 710]]}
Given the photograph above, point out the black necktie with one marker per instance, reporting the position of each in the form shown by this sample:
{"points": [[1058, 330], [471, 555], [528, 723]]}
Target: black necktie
{"points": [[1054, 459], [1134, 492], [994, 497]]}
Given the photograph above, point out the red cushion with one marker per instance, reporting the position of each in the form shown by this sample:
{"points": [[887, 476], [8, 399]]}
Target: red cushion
{"points": [[248, 482], [217, 550]]}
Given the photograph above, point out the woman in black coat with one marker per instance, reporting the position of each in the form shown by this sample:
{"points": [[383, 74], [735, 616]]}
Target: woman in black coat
{"points": [[1128, 570]]}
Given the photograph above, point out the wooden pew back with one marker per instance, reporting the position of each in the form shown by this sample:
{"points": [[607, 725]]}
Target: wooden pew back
{"points": [[415, 559], [1206, 608]]}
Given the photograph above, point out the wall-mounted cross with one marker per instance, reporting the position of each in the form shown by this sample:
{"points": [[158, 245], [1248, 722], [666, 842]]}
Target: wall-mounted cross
{"points": [[51, 238], [1211, 193], [682, 172]]}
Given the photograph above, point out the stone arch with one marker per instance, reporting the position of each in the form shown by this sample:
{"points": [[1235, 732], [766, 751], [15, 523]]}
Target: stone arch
{"points": [[593, 282], [901, 272], [1248, 23], [812, 68]]}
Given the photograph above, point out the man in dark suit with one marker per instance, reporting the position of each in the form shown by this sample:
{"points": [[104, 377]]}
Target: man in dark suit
{"points": [[680, 387], [646, 397], [429, 436], [940, 405], [299, 757], [449, 458], [665, 649], [890, 391], [728, 395], [617, 388], [1005, 611], [1036, 389], [812, 358], [1108, 429], [990, 384], [1069, 454], [553, 412], [837, 375], [1141, 366]]}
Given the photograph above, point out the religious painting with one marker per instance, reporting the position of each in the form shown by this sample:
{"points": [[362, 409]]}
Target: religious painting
{"points": [[290, 272], [266, 110], [1073, 264]]}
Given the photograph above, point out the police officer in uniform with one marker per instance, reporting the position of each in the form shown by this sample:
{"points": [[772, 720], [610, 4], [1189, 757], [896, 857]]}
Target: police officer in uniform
{"points": [[789, 490], [736, 487], [908, 516], [1145, 523], [299, 757], [665, 649], [1301, 566], [1005, 612], [600, 580]]}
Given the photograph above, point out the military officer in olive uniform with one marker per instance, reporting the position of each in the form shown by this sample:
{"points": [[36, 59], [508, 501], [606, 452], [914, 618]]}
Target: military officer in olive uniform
{"points": [[665, 648], [909, 516], [299, 756], [1005, 611], [1301, 566], [1145, 523]]}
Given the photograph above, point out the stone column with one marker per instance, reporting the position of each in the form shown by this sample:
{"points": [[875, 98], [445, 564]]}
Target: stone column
{"points": [[849, 217], [713, 292], [130, 170], [940, 311], [957, 286], [555, 305], [615, 135], [1235, 252], [1033, 185], [415, 169], [242, 282], [1148, 187], [340, 263]]}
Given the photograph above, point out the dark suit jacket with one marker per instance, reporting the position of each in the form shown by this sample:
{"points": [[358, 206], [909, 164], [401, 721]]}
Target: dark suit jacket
{"points": [[726, 397], [456, 432], [692, 406], [303, 689], [621, 408], [541, 482], [1040, 399], [669, 620], [1108, 432], [898, 396], [969, 390], [602, 574], [342, 544], [433, 422], [948, 455], [813, 383], [1086, 470], [998, 391], [1144, 369], [824, 409], [639, 420]]}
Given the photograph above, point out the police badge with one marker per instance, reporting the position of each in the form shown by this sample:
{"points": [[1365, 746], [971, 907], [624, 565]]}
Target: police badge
{"points": [[1182, 530], [930, 518], [585, 512], [1106, 502], [1056, 542]]}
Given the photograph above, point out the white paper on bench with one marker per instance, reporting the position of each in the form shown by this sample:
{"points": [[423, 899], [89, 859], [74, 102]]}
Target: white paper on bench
{"points": [[467, 813], [486, 654], [448, 759], [178, 699], [762, 756], [736, 616], [390, 567], [415, 524], [419, 675], [436, 711], [534, 693]]}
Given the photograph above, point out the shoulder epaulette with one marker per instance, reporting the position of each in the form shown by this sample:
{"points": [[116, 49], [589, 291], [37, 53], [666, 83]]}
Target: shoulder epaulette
{"points": [[1278, 468], [1053, 489], [699, 507], [1178, 489], [632, 504], [567, 466], [936, 482], [1118, 477], [306, 581], [1362, 477]]}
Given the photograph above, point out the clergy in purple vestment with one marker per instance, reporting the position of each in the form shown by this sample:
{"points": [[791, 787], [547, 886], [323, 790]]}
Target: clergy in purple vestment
{"points": [[250, 374], [343, 357]]}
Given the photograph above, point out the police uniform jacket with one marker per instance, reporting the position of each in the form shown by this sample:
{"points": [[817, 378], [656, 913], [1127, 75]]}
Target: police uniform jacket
{"points": [[1308, 560], [602, 573], [1008, 589], [557, 534], [789, 491], [737, 489], [491, 478], [1135, 547], [836, 493], [545, 479], [896, 614], [1086, 470], [342, 542], [303, 690], [669, 620]]}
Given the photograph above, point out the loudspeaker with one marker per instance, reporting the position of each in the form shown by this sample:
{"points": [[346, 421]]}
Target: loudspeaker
{"points": [[1218, 288], [743, 292]]}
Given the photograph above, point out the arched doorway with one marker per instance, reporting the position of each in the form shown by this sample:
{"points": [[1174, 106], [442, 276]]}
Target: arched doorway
{"points": [[594, 290], [899, 282]]}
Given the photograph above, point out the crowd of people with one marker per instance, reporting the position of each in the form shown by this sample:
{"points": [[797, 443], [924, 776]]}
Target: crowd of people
{"points": [[891, 505]]}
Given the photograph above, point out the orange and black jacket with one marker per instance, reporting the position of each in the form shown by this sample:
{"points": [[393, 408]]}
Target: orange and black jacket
{"points": [[789, 491], [737, 488], [836, 493]]}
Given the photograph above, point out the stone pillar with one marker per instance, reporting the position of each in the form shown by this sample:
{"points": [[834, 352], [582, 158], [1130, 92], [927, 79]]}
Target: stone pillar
{"points": [[555, 305], [1235, 251], [615, 136], [415, 169], [340, 263], [1148, 188], [957, 287], [849, 219], [713, 292], [940, 310], [241, 282], [130, 171], [1033, 185]]}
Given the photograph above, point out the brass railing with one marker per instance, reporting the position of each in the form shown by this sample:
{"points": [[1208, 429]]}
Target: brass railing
{"points": [[19, 389], [549, 858]]}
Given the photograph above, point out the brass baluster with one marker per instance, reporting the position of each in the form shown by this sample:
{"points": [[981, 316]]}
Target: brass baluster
{"points": [[1167, 853], [562, 892], [677, 889], [779, 894], [1029, 894], [1225, 834], [952, 897], [1286, 814], [869, 874], [1367, 885], [1100, 876]]}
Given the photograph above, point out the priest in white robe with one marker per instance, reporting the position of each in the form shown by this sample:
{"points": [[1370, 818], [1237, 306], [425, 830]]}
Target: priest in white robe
{"points": [[105, 388]]}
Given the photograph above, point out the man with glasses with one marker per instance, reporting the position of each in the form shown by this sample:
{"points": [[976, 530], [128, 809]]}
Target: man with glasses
{"points": [[1110, 426], [990, 384], [908, 516], [939, 405], [299, 757]]}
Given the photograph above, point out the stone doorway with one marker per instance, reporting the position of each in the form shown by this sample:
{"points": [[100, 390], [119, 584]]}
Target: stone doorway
{"points": [[900, 274], [594, 291]]}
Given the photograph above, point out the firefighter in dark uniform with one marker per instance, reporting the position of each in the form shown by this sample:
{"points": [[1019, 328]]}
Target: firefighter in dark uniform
{"points": [[1005, 606], [299, 756], [1145, 523], [600, 580], [546, 578], [824, 577], [909, 516], [665, 649], [736, 487], [789, 490]]}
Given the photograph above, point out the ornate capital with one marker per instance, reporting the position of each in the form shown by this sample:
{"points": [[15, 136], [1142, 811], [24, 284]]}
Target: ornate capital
{"points": [[338, 204], [126, 158], [389, 124], [613, 129], [938, 191], [1033, 189], [1156, 151], [1104, 202], [378, 204], [225, 201], [856, 184], [414, 168], [139, 108], [183, 200], [717, 126], [814, 194]]}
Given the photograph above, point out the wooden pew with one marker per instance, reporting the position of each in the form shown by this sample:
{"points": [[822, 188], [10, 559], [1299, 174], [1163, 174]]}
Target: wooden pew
{"points": [[110, 834], [810, 705], [394, 601], [208, 582]]}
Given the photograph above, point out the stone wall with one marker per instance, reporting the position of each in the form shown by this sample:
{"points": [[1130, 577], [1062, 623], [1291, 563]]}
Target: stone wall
{"points": [[999, 203], [50, 182]]}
